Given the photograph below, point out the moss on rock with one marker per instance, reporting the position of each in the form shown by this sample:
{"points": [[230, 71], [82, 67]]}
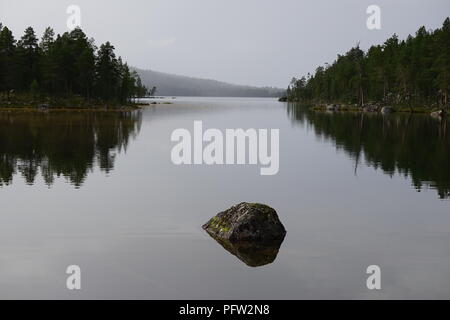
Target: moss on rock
{"points": [[247, 222]]}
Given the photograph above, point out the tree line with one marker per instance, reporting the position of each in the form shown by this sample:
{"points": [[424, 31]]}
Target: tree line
{"points": [[411, 72], [68, 65]]}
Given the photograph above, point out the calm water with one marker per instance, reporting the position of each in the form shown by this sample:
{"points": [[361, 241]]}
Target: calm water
{"points": [[99, 190]]}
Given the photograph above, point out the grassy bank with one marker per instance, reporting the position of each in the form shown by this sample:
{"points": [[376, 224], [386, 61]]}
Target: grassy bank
{"points": [[30, 103]]}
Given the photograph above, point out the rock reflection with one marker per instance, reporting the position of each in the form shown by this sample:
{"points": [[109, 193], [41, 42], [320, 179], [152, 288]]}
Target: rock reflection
{"points": [[252, 253], [67, 144]]}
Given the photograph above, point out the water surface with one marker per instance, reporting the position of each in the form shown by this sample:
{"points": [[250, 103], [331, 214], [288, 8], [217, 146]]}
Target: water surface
{"points": [[99, 190]]}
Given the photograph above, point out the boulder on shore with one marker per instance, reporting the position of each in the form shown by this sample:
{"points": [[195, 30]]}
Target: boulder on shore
{"points": [[370, 108], [43, 107], [332, 107], [438, 114], [247, 222], [386, 110]]}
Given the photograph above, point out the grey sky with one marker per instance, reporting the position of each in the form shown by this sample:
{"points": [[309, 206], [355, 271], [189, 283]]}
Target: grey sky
{"points": [[257, 42]]}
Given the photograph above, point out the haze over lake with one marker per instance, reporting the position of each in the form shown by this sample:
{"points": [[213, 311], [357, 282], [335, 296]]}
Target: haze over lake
{"points": [[99, 190]]}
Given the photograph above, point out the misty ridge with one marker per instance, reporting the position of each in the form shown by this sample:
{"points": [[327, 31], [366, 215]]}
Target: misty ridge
{"points": [[176, 85]]}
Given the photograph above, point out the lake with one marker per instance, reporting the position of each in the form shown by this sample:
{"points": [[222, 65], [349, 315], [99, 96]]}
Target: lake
{"points": [[99, 190]]}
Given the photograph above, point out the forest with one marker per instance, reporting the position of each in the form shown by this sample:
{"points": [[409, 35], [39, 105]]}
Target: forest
{"points": [[410, 73], [63, 70]]}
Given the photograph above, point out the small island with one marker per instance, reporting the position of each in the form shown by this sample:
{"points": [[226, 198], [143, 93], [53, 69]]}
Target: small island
{"points": [[64, 72]]}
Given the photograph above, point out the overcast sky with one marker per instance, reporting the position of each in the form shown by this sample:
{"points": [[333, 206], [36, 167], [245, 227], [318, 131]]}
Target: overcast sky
{"points": [[256, 42]]}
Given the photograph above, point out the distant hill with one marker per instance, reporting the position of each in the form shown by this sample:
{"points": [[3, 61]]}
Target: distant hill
{"points": [[175, 85]]}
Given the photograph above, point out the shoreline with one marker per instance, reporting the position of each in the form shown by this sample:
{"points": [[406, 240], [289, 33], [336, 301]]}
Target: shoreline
{"points": [[28, 108], [357, 109], [68, 109], [371, 109]]}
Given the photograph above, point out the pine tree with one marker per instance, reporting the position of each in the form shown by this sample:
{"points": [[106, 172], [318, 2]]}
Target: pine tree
{"points": [[27, 59], [107, 71], [7, 69], [47, 40]]}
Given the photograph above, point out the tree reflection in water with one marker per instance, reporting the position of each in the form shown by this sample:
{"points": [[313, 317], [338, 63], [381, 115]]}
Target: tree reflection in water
{"points": [[67, 144], [416, 146]]}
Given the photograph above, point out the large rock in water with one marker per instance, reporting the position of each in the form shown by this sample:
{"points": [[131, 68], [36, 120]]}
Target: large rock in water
{"points": [[247, 222]]}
